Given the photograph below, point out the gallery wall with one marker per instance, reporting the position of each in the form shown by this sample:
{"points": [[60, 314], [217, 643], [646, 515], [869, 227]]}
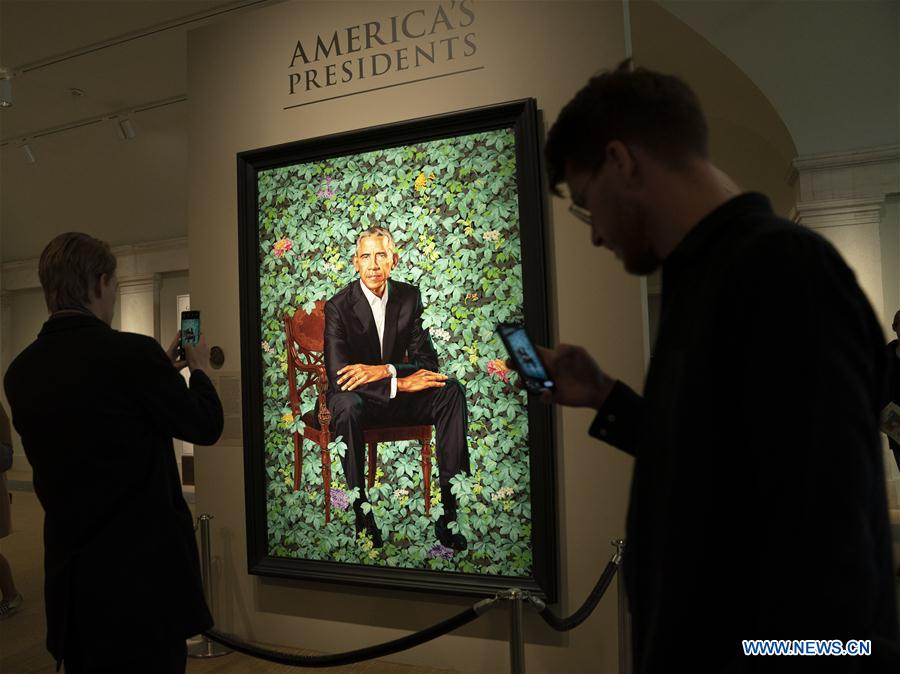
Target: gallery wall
{"points": [[239, 98]]}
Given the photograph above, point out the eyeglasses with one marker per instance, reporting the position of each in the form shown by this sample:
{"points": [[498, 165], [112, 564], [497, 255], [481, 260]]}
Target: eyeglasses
{"points": [[581, 212]]}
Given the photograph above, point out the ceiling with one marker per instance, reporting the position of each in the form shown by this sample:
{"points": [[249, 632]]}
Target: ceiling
{"points": [[78, 69]]}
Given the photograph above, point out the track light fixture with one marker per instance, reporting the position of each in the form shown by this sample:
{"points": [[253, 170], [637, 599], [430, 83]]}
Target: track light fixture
{"points": [[126, 129], [6, 99], [29, 154]]}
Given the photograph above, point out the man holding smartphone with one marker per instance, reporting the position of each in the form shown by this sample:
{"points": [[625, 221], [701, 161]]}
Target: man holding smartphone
{"points": [[97, 410], [757, 504]]}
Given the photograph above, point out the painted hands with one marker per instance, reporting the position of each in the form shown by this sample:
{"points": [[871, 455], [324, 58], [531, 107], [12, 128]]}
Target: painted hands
{"points": [[421, 380], [352, 376]]}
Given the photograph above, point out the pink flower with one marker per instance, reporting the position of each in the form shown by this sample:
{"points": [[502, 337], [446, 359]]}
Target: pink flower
{"points": [[282, 246], [498, 367], [326, 192]]}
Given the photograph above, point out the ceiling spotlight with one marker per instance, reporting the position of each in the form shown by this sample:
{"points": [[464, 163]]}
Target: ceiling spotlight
{"points": [[29, 155], [126, 129], [6, 100]]}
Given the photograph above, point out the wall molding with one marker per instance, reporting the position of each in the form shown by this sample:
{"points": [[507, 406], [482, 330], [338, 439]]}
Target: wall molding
{"points": [[840, 212], [857, 174], [145, 283], [824, 160], [134, 261]]}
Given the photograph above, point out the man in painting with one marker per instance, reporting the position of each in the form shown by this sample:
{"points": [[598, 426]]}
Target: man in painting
{"points": [[97, 410], [757, 506], [383, 370]]}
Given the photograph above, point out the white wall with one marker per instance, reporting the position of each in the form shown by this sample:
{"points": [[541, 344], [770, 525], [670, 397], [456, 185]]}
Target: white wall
{"points": [[171, 285]]}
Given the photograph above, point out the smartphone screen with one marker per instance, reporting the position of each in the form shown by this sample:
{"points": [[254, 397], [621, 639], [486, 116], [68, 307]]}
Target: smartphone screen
{"points": [[525, 357], [190, 328]]}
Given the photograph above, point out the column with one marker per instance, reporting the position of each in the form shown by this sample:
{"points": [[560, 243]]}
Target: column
{"points": [[139, 304], [5, 328], [842, 196]]}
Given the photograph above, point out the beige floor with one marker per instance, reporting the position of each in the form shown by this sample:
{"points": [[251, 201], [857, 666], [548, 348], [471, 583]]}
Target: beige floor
{"points": [[22, 635]]}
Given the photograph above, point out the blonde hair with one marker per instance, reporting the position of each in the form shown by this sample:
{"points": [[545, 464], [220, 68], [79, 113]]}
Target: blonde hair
{"points": [[70, 266]]}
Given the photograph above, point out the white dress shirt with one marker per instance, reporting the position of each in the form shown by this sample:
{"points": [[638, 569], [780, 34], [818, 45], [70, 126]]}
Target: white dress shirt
{"points": [[378, 305]]}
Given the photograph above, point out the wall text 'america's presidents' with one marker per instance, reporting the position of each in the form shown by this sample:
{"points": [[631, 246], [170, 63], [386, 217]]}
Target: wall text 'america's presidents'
{"points": [[440, 29]]}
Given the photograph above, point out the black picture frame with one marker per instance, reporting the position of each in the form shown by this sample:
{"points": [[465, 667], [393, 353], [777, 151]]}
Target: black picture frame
{"points": [[522, 116]]}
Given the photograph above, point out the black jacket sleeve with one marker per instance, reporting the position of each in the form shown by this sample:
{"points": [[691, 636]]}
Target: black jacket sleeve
{"points": [[194, 413], [617, 422], [420, 351]]}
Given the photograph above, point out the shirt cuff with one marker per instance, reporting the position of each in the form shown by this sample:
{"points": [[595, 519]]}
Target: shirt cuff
{"points": [[617, 420], [393, 371]]}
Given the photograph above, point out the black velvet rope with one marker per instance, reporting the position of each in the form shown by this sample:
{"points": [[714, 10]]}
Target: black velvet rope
{"points": [[420, 637], [368, 653], [574, 620]]}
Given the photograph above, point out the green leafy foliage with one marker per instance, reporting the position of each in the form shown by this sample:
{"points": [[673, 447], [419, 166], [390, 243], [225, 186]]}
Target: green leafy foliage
{"points": [[452, 208]]}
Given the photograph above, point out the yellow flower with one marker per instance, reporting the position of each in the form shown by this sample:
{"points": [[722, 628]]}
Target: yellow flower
{"points": [[422, 181], [288, 418]]}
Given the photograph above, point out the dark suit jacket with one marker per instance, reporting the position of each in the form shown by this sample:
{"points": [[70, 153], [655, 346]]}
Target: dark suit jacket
{"points": [[351, 337], [97, 410]]}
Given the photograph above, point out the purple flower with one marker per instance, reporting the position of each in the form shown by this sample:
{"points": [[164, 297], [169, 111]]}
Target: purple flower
{"points": [[339, 499], [325, 192], [440, 551]]}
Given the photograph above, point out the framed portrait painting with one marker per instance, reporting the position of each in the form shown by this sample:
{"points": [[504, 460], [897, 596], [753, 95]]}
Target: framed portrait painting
{"points": [[385, 440]]}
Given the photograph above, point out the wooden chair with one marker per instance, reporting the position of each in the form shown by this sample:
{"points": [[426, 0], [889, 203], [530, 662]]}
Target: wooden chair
{"points": [[305, 334]]}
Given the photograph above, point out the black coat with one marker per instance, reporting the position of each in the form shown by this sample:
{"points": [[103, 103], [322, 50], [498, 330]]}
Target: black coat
{"points": [[758, 506], [97, 410], [351, 337]]}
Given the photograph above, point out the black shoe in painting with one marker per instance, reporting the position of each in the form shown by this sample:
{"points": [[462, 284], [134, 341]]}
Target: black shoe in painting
{"points": [[366, 522], [448, 539]]}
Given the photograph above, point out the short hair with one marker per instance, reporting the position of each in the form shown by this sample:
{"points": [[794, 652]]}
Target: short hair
{"points": [[660, 113], [376, 231], [69, 266]]}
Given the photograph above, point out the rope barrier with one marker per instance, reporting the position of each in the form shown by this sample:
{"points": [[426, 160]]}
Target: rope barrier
{"points": [[579, 616], [350, 657], [514, 595]]}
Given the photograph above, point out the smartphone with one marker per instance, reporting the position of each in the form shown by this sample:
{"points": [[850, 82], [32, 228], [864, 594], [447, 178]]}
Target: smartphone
{"points": [[525, 357], [190, 330]]}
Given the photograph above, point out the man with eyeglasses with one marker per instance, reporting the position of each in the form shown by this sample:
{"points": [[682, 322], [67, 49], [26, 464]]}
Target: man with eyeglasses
{"points": [[757, 506]]}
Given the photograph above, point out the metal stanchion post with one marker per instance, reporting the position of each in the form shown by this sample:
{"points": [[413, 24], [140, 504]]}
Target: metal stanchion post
{"points": [[205, 648], [516, 633], [624, 622]]}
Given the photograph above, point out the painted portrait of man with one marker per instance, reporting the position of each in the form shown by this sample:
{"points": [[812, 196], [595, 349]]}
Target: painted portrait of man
{"points": [[414, 252], [383, 370]]}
